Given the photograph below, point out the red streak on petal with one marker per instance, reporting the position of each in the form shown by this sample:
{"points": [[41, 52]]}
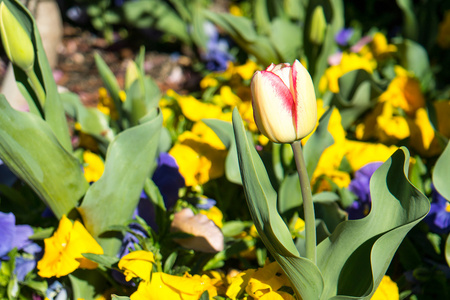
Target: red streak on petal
{"points": [[285, 95], [294, 96]]}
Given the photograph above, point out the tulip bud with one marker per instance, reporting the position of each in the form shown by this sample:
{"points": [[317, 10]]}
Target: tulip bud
{"points": [[16, 41], [284, 102], [131, 74], [318, 26]]}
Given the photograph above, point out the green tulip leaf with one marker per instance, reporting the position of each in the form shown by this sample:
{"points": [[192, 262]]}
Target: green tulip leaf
{"points": [[143, 95], [410, 24], [91, 120], [441, 173], [52, 110], [157, 14], [357, 93], [355, 257], [29, 147], [262, 204], [242, 32], [112, 199], [282, 31], [110, 82]]}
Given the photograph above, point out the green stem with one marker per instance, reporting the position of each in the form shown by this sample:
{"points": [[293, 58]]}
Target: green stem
{"points": [[36, 85], [308, 206]]}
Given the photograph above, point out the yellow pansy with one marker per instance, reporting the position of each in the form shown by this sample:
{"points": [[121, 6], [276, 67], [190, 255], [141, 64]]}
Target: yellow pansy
{"points": [[380, 47], [63, 251], [208, 81], [194, 109], [387, 290], [106, 104], [332, 156], [267, 280], [247, 70], [359, 154], [404, 92], [423, 137], [215, 215], [200, 155], [383, 123], [137, 264], [238, 282], [165, 286], [93, 166], [349, 62]]}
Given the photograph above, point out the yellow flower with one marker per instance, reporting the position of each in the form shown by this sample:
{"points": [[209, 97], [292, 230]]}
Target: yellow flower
{"points": [[238, 282], [194, 109], [137, 264], [380, 47], [443, 38], [235, 10], [359, 154], [349, 62], [263, 283], [404, 92], [93, 166], [247, 70], [106, 104], [63, 251], [215, 215], [384, 124], [423, 138], [331, 158], [208, 81], [200, 155], [165, 286], [387, 290]]}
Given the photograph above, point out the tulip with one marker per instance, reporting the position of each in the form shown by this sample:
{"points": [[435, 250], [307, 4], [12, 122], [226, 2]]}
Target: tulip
{"points": [[16, 41], [284, 102], [318, 26]]}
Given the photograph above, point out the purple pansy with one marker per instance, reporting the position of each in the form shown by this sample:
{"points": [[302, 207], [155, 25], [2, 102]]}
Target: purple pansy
{"points": [[216, 55], [438, 219], [343, 36], [17, 236], [361, 188]]}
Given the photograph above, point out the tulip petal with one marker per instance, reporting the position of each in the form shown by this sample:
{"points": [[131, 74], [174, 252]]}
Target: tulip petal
{"points": [[274, 99], [305, 99]]}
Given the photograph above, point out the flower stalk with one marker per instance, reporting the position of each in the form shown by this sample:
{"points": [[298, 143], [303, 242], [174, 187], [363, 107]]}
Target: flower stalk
{"points": [[308, 205], [33, 80]]}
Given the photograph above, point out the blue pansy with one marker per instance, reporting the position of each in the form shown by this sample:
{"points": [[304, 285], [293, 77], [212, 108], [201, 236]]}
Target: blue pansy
{"points": [[343, 36], [17, 236], [217, 53], [438, 219], [361, 188]]}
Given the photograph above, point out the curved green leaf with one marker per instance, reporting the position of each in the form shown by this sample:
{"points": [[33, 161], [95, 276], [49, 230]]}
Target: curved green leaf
{"points": [[52, 111], [262, 204], [30, 149], [355, 257], [441, 173], [112, 199]]}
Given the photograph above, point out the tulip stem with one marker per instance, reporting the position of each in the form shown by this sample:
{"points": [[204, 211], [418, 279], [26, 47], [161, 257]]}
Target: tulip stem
{"points": [[36, 85], [308, 206]]}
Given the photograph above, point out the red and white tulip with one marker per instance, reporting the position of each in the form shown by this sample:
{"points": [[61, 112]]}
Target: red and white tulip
{"points": [[284, 102]]}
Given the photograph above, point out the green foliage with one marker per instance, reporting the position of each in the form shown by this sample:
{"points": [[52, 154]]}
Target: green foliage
{"points": [[353, 260]]}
